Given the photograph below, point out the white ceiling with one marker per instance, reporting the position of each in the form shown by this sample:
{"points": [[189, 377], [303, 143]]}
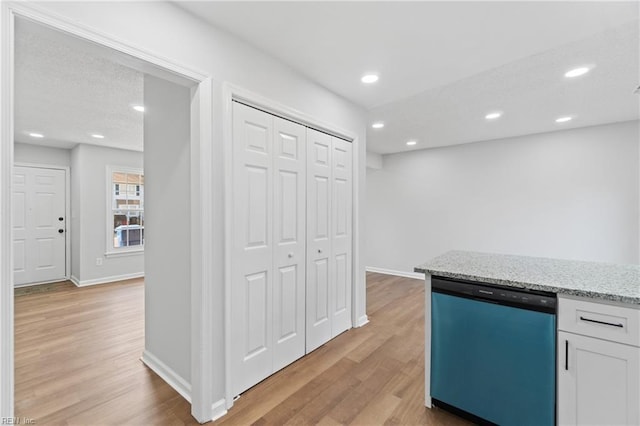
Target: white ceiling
{"points": [[444, 65], [532, 92], [67, 92]]}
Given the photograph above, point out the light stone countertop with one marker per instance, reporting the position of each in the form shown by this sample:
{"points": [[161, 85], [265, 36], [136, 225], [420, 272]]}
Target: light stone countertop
{"points": [[608, 281]]}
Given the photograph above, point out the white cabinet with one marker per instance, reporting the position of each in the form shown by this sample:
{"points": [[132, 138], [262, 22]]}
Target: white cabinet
{"points": [[598, 379], [291, 243]]}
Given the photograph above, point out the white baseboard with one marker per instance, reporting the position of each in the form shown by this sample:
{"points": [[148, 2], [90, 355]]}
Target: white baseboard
{"points": [[416, 275], [167, 374], [39, 283], [363, 320], [218, 409], [105, 280]]}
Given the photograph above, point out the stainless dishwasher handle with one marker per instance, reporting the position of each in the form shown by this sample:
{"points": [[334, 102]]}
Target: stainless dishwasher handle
{"points": [[601, 322]]}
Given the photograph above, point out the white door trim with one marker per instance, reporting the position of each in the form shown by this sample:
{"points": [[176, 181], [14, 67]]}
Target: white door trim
{"points": [[202, 186], [67, 209], [202, 238], [231, 92], [6, 177]]}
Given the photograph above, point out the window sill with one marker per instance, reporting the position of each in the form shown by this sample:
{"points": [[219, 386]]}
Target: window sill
{"points": [[123, 253]]}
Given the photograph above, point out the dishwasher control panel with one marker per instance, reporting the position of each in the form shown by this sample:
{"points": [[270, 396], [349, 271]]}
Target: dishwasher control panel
{"points": [[522, 298]]}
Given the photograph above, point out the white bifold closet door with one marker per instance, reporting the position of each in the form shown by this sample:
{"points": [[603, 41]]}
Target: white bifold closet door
{"points": [[268, 253], [329, 238]]}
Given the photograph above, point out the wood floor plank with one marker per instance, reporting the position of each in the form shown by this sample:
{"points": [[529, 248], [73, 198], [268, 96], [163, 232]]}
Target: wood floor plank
{"points": [[77, 363], [380, 407], [297, 405]]}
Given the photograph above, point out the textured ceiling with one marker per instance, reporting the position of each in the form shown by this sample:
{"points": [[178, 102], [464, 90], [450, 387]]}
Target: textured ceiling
{"points": [[67, 92], [444, 65]]}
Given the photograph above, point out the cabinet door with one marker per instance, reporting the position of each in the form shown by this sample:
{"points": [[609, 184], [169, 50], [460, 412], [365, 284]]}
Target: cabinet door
{"points": [[598, 381], [252, 251], [289, 230], [319, 265]]}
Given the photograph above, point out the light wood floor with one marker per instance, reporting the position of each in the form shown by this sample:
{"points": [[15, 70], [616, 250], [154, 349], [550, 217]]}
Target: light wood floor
{"points": [[78, 350], [78, 362]]}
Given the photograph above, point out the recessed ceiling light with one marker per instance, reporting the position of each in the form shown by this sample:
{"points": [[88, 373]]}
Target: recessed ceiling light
{"points": [[378, 125], [139, 108], [493, 115], [97, 136], [577, 72], [411, 143], [563, 119], [369, 78], [36, 135]]}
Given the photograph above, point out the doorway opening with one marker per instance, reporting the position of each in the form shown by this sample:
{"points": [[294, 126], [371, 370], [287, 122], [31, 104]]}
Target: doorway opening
{"points": [[122, 127]]}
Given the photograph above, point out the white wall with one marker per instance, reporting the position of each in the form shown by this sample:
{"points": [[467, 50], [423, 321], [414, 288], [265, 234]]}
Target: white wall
{"points": [[169, 32], [89, 215], [570, 194], [374, 160], [167, 224], [37, 154]]}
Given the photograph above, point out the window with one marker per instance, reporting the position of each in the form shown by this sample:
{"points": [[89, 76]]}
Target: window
{"points": [[126, 210]]}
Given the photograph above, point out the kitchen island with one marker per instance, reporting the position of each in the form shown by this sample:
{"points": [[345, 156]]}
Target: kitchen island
{"points": [[597, 332]]}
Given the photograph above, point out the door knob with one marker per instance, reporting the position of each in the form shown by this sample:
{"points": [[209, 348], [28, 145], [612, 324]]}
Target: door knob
{"points": [[290, 255], [61, 219], [60, 231]]}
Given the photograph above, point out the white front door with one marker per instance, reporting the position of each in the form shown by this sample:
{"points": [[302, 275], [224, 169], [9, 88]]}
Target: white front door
{"points": [[39, 225]]}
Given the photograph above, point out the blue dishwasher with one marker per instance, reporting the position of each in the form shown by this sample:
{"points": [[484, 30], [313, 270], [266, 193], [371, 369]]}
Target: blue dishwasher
{"points": [[493, 352]]}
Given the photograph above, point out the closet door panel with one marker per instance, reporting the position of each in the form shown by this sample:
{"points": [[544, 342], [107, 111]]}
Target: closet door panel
{"points": [[252, 245], [320, 292], [291, 266], [289, 232], [341, 235]]}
